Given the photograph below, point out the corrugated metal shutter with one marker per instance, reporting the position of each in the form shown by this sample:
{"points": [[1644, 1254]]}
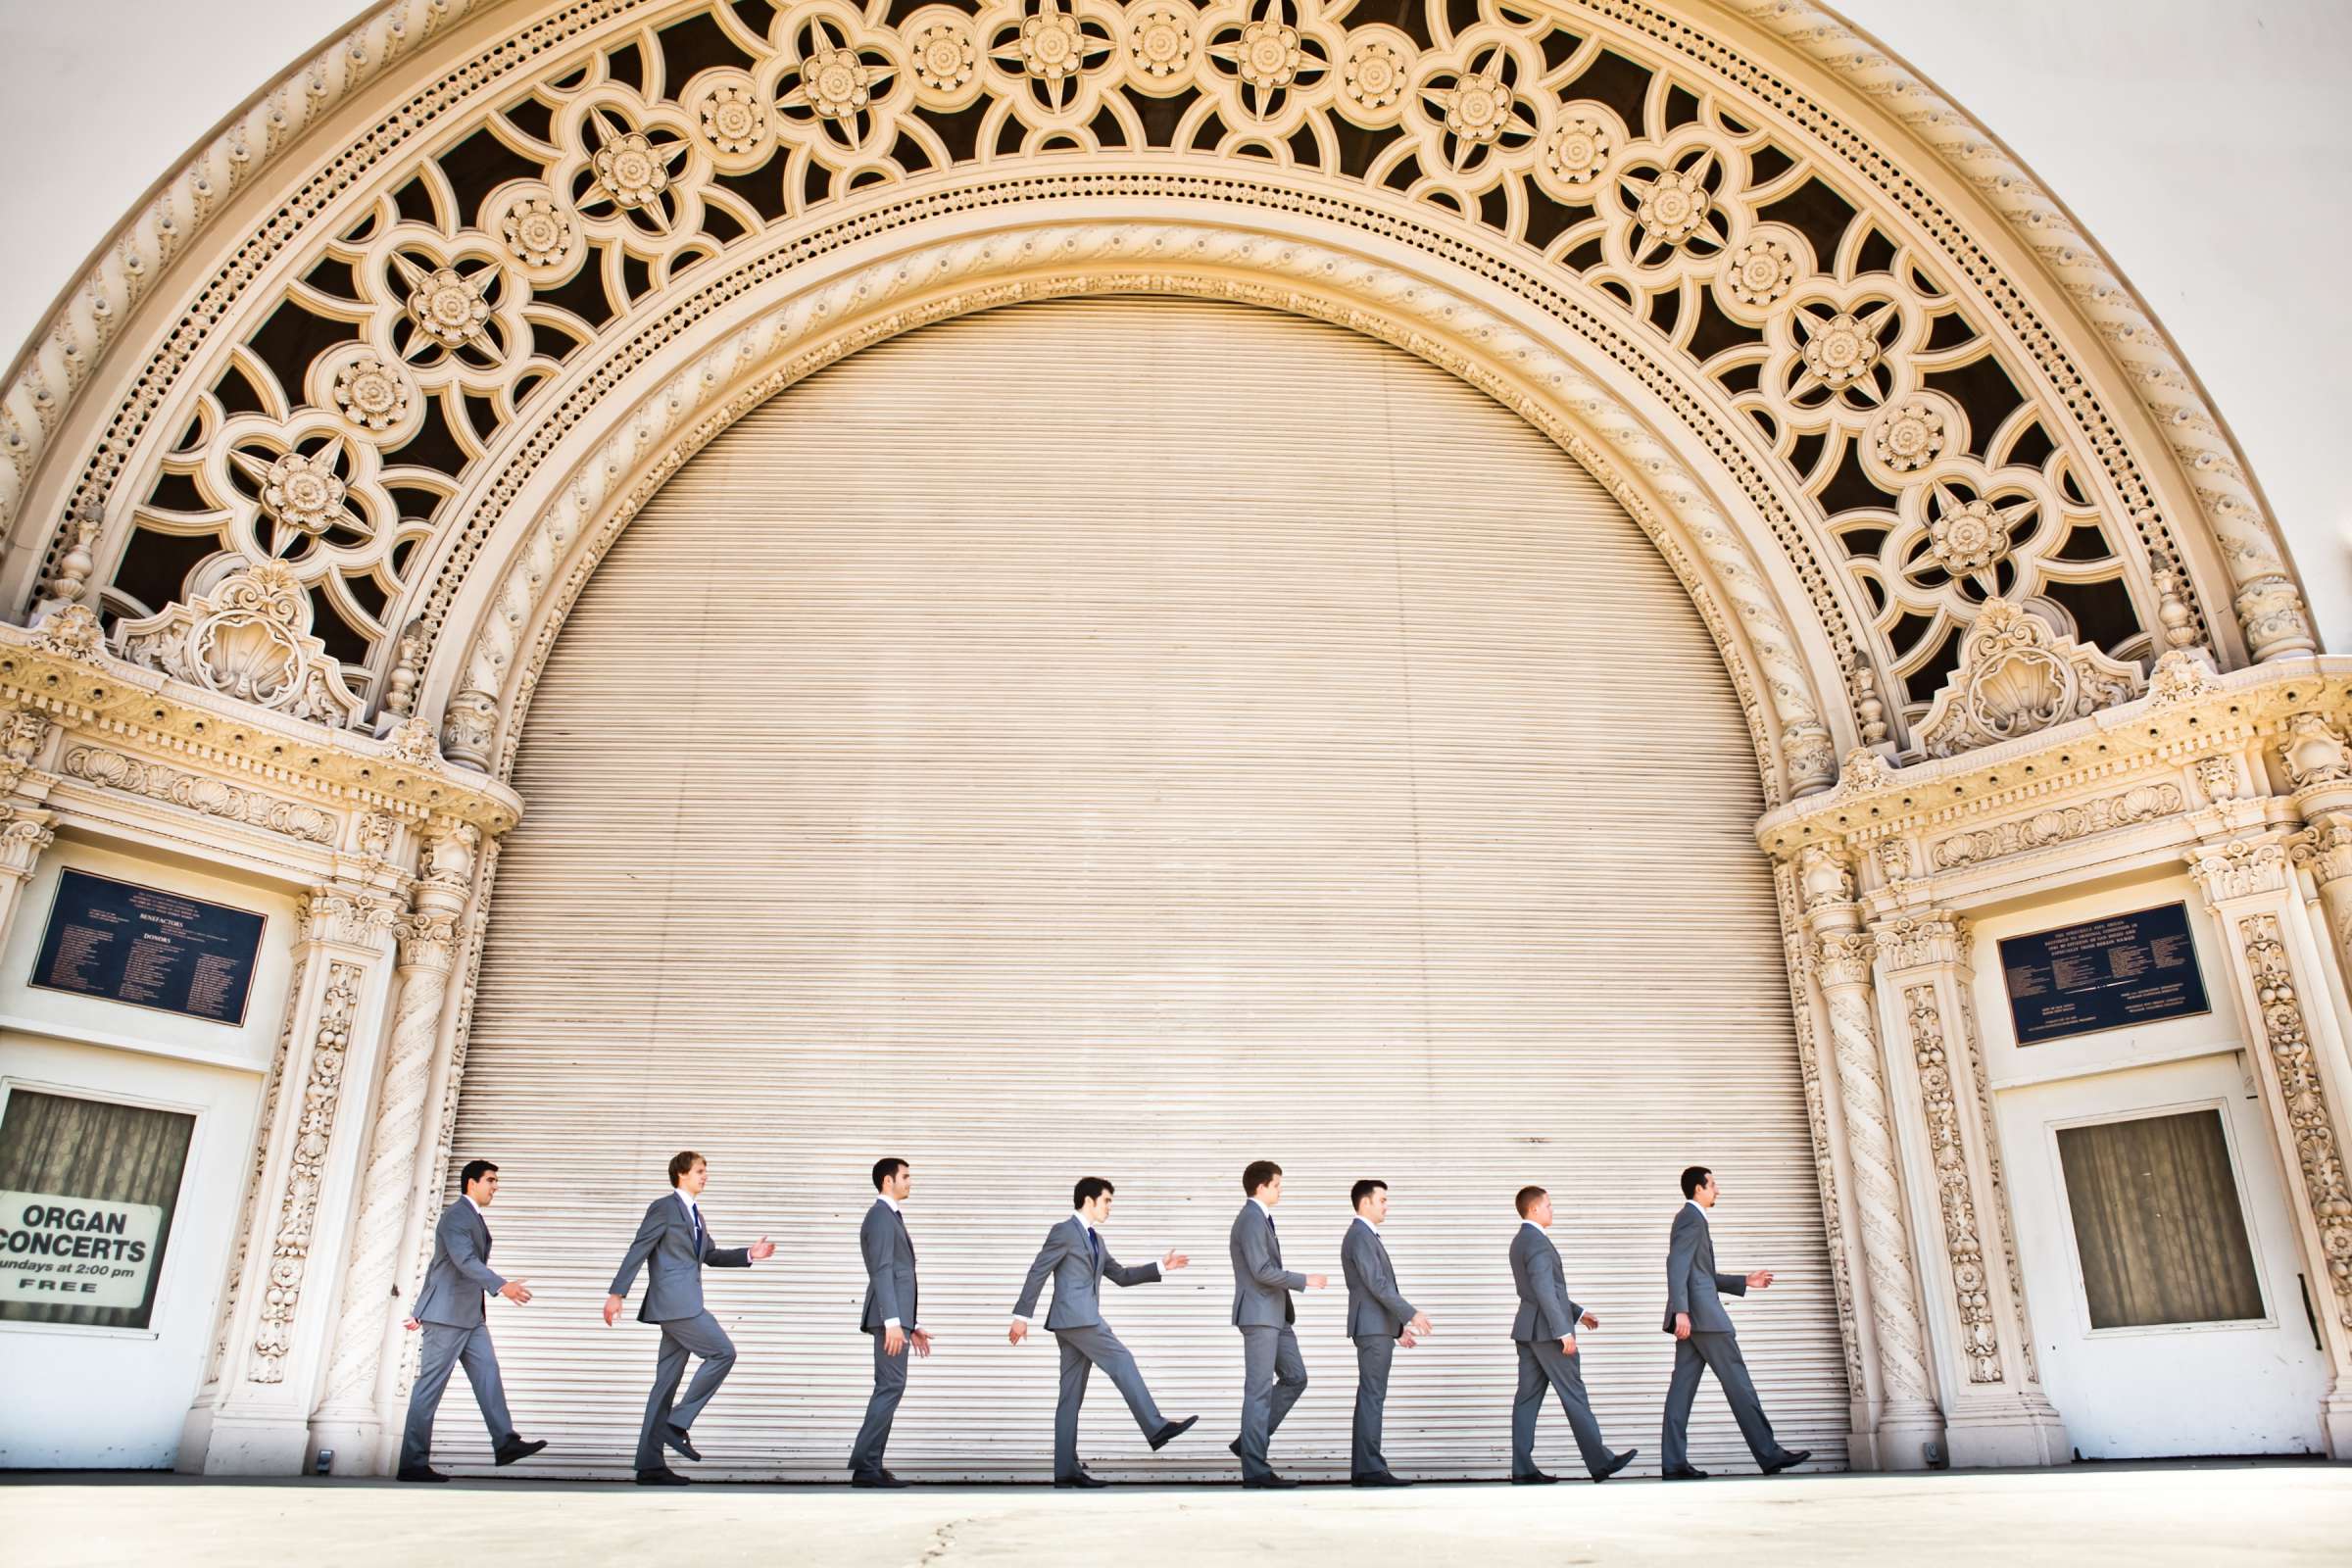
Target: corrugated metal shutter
{"points": [[1131, 738]]}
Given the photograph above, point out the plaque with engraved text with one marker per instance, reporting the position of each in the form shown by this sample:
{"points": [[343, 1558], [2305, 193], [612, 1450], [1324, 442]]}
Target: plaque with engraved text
{"points": [[148, 948], [2109, 973]]}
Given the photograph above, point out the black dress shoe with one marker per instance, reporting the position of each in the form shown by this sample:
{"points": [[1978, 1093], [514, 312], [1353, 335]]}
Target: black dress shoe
{"points": [[1269, 1482], [1378, 1477], [884, 1479], [1081, 1480], [518, 1450], [676, 1438], [1171, 1432], [661, 1475], [1789, 1459], [1617, 1464], [890, 1475], [1532, 1478], [420, 1472], [1686, 1473]]}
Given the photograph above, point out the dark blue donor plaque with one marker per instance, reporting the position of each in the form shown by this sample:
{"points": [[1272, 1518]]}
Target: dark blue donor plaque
{"points": [[148, 948], [2103, 974]]}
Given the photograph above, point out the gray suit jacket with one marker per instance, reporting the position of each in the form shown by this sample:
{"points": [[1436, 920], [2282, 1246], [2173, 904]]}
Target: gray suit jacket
{"points": [[1068, 1260], [459, 1275], [1373, 1304], [1544, 1310], [674, 1287], [1262, 1287], [1692, 1284], [888, 1269]]}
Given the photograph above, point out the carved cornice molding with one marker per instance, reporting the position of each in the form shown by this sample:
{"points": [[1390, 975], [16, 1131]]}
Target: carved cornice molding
{"points": [[226, 758]]}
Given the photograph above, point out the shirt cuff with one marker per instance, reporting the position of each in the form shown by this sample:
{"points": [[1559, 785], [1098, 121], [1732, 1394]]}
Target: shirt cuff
{"points": [[890, 1322], [1017, 1318]]}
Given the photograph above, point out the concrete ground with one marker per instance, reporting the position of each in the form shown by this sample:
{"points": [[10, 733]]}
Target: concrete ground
{"points": [[2200, 1514]]}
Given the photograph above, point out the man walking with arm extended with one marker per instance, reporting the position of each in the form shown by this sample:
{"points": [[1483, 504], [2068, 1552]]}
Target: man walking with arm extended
{"points": [[450, 1311], [1273, 1373], [1076, 1260], [1379, 1320], [673, 1240], [889, 1315], [1545, 1332], [1703, 1338]]}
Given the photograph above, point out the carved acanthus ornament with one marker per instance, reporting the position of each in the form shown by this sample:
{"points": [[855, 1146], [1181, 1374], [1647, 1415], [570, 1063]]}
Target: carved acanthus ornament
{"points": [[196, 792], [2143, 803], [305, 1172], [249, 639], [2017, 677], [2319, 1148], [2240, 868], [1980, 1348]]}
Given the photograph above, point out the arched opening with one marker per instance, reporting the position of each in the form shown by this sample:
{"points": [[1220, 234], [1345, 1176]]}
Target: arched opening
{"points": [[1135, 736]]}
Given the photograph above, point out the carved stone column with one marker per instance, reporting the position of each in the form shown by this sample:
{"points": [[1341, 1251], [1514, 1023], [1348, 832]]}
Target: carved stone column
{"points": [[1907, 1422], [2274, 961], [398, 1180], [252, 1416], [26, 827], [1996, 1412]]}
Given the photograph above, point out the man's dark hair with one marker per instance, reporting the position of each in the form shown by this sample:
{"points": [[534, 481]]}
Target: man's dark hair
{"points": [[1256, 1174], [684, 1160], [1363, 1190], [1694, 1179], [885, 1169], [1527, 1198], [1088, 1185], [475, 1171]]}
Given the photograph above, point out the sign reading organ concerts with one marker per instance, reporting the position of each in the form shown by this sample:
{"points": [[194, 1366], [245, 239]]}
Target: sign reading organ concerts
{"points": [[61, 1250], [149, 948], [2103, 974]]}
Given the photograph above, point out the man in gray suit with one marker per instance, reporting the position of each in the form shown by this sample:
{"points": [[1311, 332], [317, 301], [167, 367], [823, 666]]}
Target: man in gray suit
{"points": [[889, 1315], [1273, 1373], [1545, 1332], [1703, 1338], [673, 1240], [1076, 1260], [449, 1310], [1379, 1320]]}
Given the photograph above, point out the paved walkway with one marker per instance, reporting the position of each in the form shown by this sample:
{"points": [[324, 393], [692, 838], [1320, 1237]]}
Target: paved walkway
{"points": [[2185, 1513]]}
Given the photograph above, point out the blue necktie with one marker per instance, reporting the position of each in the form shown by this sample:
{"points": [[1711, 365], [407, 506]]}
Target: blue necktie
{"points": [[695, 1210], [1096, 1241]]}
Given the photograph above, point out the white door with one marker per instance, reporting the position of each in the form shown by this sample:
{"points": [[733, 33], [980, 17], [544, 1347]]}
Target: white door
{"points": [[105, 1383], [2170, 1311]]}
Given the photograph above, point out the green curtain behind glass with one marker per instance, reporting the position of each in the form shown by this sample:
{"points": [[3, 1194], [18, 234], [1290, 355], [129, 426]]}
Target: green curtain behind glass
{"points": [[96, 1149], [2158, 1223]]}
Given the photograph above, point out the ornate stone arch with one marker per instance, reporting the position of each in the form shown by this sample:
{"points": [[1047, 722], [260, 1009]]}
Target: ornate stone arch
{"points": [[1877, 381]]}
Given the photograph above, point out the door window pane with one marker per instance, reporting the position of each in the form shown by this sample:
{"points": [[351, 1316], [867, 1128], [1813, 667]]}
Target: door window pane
{"points": [[2158, 1223], [86, 1194]]}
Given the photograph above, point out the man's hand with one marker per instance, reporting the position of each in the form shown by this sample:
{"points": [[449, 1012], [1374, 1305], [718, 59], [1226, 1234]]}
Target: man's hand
{"points": [[412, 1325], [894, 1341], [1590, 1321], [763, 1247], [1420, 1325], [1019, 1331], [1172, 1262], [611, 1311], [1405, 1341], [1681, 1325], [1760, 1280], [920, 1339], [1316, 1282], [514, 1290], [1568, 1345]]}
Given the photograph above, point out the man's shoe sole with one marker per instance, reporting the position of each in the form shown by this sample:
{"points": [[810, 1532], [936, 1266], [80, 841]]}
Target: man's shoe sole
{"points": [[1173, 1431], [521, 1451]]}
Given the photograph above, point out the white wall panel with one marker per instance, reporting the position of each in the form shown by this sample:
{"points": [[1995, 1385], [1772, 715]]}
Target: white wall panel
{"points": [[1134, 737]]}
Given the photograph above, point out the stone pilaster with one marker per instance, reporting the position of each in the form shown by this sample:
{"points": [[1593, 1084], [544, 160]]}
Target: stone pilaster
{"points": [[399, 1180], [1907, 1421], [26, 827], [2273, 960], [252, 1416], [1996, 1411]]}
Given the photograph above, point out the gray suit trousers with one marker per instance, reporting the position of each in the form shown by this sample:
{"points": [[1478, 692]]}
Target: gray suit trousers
{"points": [[890, 1382], [1273, 1376], [1719, 1352], [1373, 1353], [1543, 1363], [446, 1345], [698, 1335], [1082, 1350]]}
